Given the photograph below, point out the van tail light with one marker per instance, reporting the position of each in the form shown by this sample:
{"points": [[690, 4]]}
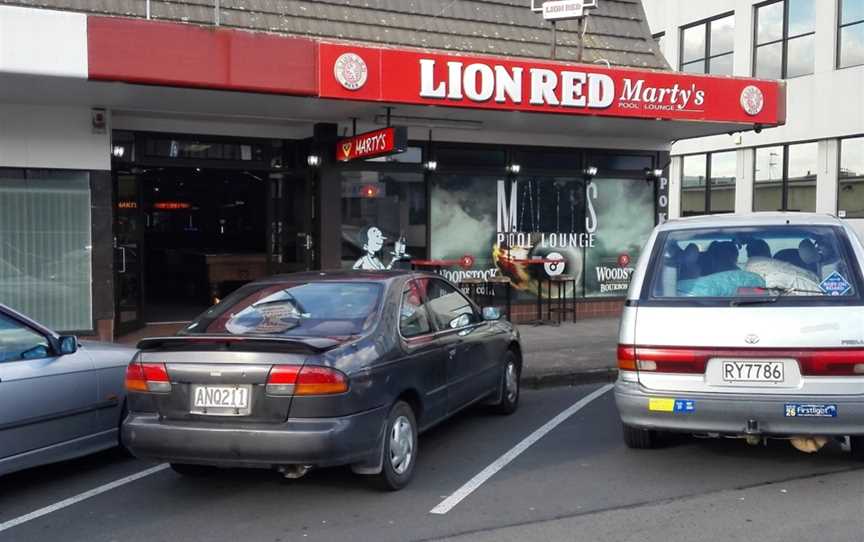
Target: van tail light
{"points": [[845, 362], [147, 378], [626, 357], [305, 380], [684, 360]]}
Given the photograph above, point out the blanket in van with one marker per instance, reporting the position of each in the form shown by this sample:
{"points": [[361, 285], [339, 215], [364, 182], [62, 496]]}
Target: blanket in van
{"points": [[723, 284]]}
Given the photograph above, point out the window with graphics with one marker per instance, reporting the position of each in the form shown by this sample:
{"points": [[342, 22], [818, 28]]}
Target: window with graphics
{"points": [[785, 39], [850, 35], [708, 47], [785, 178], [383, 219], [708, 183], [850, 193]]}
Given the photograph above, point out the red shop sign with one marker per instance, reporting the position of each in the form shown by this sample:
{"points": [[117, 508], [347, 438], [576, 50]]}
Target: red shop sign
{"points": [[425, 78], [381, 142]]}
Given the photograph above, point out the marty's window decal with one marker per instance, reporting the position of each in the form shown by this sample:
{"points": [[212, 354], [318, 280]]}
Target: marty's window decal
{"points": [[372, 240]]}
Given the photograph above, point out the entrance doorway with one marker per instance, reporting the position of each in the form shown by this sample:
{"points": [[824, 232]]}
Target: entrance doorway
{"points": [[185, 237]]}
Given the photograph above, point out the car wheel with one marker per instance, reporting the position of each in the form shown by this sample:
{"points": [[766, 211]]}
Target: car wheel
{"points": [[400, 448], [195, 471], [639, 439], [857, 442], [509, 386]]}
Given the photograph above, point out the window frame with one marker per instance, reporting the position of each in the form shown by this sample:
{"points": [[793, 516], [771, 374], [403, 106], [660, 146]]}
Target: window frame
{"points": [[784, 188], [469, 302], [708, 177], [432, 328], [707, 57], [841, 179], [844, 244], [785, 38], [840, 27], [50, 337]]}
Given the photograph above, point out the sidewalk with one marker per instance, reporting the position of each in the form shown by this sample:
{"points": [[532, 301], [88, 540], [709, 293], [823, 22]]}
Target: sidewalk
{"points": [[564, 355], [572, 353]]}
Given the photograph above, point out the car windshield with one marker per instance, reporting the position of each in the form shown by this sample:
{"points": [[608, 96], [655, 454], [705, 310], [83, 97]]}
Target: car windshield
{"points": [[753, 262], [318, 309]]}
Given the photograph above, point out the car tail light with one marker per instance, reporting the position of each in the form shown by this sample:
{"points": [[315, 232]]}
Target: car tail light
{"points": [[305, 380], [147, 377]]}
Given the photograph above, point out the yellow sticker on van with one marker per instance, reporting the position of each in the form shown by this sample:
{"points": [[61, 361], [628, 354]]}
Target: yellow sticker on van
{"points": [[661, 404]]}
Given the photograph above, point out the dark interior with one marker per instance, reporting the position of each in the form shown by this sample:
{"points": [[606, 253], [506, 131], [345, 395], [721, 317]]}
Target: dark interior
{"points": [[190, 213]]}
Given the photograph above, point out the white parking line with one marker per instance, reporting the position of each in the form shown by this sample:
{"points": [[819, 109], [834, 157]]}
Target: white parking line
{"points": [[447, 504], [6, 525]]}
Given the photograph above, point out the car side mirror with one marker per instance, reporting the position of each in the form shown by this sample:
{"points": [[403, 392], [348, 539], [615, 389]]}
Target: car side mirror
{"points": [[460, 321], [68, 345], [491, 314]]}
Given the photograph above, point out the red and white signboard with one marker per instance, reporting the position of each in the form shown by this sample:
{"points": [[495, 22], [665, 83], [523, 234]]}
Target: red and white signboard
{"points": [[425, 78], [371, 144]]}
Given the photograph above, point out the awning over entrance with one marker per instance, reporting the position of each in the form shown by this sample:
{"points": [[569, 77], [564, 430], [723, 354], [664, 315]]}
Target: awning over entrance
{"points": [[675, 105], [165, 65]]}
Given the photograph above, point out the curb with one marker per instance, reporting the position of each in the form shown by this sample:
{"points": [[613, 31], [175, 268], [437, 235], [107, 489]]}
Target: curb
{"points": [[571, 378]]}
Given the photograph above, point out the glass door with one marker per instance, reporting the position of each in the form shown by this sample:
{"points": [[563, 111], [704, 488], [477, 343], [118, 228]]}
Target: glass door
{"points": [[128, 237], [292, 241]]}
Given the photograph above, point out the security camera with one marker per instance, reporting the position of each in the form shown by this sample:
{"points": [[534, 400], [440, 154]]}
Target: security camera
{"points": [[757, 128]]}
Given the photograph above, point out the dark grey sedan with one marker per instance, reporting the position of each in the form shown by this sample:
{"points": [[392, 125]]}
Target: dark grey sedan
{"points": [[320, 369], [58, 399]]}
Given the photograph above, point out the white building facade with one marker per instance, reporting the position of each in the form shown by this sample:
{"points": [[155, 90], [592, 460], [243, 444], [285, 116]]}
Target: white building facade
{"points": [[815, 162]]}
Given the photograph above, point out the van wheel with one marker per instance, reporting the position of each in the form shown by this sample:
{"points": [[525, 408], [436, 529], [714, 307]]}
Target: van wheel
{"points": [[857, 442], [193, 471], [639, 439], [400, 448], [509, 386]]}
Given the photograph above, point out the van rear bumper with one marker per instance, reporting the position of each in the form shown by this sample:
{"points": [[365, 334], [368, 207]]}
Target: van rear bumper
{"points": [[729, 413]]}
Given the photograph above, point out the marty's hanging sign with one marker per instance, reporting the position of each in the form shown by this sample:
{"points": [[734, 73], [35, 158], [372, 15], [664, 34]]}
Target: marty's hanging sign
{"points": [[372, 144], [482, 82]]}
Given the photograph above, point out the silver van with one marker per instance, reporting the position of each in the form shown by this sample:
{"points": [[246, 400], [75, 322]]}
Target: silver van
{"points": [[746, 326]]}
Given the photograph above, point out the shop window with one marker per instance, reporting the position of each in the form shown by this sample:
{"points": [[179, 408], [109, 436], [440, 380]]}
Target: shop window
{"points": [[785, 39], [540, 159], [45, 246], [708, 183], [785, 178], [471, 158], [412, 155], [850, 197], [621, 162], [850, 39], [708, 47], [383, 218]]}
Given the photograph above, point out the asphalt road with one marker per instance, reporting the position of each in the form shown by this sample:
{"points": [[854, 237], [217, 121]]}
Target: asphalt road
{"points": [[578, 482]]}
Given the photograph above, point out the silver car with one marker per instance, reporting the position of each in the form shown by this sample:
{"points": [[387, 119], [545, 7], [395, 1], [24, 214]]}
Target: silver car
{"points": [[747, 326], [58, 399]]}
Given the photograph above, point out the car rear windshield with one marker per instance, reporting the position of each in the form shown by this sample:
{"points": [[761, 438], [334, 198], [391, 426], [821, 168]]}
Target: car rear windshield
{"points": [[753, 262], [317, 309]]}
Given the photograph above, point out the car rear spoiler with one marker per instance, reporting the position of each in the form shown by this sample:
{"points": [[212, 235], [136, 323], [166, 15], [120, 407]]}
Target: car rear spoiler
{"points": [[315, 345]]}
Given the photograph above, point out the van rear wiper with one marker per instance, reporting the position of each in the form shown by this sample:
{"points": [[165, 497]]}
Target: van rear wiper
{"points": [[781, 292], [754, 301]]}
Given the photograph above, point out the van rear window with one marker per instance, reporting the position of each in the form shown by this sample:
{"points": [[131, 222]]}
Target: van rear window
{"points": [[753, 262]]}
